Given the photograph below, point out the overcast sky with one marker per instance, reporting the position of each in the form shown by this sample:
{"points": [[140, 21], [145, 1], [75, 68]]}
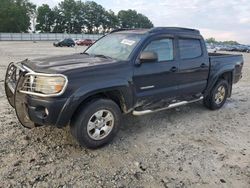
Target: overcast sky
{"points": [[222, 19]]}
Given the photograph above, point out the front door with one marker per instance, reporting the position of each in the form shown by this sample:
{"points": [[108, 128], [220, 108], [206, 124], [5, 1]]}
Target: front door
{"points": [[156, 82]]}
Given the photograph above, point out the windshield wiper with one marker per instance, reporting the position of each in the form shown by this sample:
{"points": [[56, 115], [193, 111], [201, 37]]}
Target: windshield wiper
{"points": [[97, 55], [104, 56], [84, 53]]}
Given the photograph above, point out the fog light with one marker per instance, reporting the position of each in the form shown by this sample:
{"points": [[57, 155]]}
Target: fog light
{"points": [[41, 112], [46, 111]]}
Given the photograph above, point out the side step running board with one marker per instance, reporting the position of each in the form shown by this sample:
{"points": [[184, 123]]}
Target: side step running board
{"points": [[139, 113]]}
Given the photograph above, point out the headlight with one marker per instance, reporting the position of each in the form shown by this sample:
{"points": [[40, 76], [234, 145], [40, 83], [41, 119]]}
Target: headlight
{"points": [[44, 84], [48, 85]]}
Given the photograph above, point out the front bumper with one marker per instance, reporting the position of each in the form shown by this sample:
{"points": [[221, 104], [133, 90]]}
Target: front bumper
{"points": [[40, 111], [31, 110]]}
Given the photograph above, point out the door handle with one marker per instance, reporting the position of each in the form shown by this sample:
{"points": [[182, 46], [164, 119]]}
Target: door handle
{"points": [[203, 65], [173, 69]]}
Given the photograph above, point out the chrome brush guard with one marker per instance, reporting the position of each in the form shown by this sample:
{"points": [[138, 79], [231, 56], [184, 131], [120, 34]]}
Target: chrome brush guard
{"points": [[14, 78]]}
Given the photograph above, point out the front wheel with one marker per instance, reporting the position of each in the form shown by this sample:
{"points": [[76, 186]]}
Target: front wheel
{"points": [[218, 95], [96, 123]]}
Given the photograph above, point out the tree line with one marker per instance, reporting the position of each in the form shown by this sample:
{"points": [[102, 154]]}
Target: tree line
{"points": [[70, 16], [214, 41]]}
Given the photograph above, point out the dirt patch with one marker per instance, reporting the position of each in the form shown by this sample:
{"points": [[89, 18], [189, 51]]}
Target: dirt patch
{"points": [[188, 146]]}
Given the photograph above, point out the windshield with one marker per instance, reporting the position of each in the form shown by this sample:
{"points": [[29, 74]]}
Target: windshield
{"points": [[117, 46]]}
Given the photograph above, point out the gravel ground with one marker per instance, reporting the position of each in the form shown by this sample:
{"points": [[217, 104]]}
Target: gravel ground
{"points": [[189, 146]]}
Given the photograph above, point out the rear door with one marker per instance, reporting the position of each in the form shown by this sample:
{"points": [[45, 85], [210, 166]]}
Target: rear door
{"points": [[193, 66], [156, 82]]}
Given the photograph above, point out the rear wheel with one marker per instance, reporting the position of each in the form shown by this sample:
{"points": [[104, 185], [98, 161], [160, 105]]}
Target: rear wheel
{"points": [[96, 123], [217, 97]]}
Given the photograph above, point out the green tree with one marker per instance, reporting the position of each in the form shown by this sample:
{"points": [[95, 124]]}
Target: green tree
{"points": [[110, 21], [211, 40], [59, 25], [45, 18], [214, 41], [94, 17], [231, 42], [79, 17], [67, 12], [15, 15], [143, 21], [131, 19], [127, 18], [69, 16]]}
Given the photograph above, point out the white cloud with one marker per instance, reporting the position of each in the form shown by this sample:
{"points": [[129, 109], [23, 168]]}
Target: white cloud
{"points": [[245, 20], [222, 35]]}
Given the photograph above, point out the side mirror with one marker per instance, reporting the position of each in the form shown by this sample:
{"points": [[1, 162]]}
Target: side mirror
{"points": [[148, 57]]}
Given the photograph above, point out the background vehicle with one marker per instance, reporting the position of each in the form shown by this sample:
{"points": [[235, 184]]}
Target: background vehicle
{"points": [[65, 42], [85, 42], [127, 71], [211, 49]]}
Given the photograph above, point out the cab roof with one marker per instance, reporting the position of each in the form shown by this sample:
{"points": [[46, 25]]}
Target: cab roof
{"points": [[158, 30]]}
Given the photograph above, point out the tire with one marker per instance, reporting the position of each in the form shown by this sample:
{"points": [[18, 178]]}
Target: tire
{"points": [[96, 114], [216, 99]]}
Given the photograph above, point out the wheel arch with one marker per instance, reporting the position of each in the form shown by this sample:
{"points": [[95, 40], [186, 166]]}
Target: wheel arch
{"points": [[226, 75], [114, 95], [118, 95]]}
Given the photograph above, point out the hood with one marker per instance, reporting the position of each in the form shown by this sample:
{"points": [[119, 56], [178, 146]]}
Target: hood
{"points": [[60, 64]]}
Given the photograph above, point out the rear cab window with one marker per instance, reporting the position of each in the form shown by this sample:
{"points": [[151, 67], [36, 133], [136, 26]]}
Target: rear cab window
{"points": [[189, 48], [163, 48]]}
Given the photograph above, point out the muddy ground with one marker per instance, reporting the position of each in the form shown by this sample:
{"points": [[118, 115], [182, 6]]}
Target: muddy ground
{"points": [[190, 146]]}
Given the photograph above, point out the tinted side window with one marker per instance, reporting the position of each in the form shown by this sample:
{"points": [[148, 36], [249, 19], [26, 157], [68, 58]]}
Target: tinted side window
{"points": [[163, 47], [190, 48]]}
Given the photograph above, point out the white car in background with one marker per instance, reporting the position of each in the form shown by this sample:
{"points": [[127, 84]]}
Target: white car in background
{"points": [[211, 49]]}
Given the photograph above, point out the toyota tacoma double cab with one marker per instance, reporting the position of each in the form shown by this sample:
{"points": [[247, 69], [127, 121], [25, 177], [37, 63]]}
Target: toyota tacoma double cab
{"points": [[137, 71]]}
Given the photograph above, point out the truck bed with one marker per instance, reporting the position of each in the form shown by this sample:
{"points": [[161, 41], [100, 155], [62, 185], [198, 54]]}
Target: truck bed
{"points": [[232, 62]]}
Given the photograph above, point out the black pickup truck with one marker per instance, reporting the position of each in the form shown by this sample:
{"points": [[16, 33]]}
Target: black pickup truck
{"points": [[127, 71]]}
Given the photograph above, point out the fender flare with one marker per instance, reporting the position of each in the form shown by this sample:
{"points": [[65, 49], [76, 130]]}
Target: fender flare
{"points": [[213, 80], [83, 93]]}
